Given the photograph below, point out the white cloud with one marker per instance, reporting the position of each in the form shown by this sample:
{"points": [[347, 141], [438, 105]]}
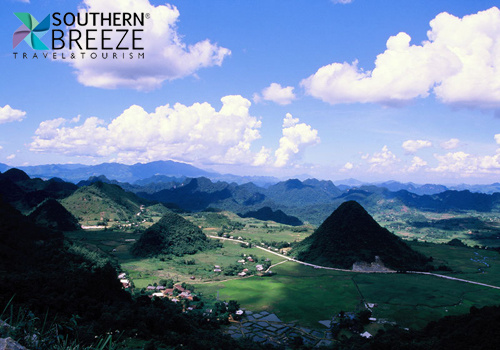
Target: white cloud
{"points": [[12, 156], [412, 146], [167, 57], [276, 93], [347, 166], [295, 137], [416, 164], [381, 161], [262, 157], [9, 114], [196, 133], [342, 1], [450, 144], [1, 148], [466, 164], [25, 1], [459, 63]]}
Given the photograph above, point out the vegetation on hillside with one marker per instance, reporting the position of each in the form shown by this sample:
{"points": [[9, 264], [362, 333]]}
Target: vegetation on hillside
{"points": [[351, 235], [171, 235], [102, 202], [267, 214], [52, 214], [78, 291]]}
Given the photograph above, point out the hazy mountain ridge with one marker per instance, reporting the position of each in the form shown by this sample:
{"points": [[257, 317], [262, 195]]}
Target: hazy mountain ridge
{"points": [[147, 173], [116, 171]]}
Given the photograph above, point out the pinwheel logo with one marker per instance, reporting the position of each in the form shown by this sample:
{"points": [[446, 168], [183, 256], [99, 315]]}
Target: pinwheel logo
{"points": [[31, 31]]}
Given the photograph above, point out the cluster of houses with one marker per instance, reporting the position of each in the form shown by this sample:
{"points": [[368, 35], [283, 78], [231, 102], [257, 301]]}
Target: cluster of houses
{"points": [[181, 293], [161, 291], [243, 261], [123, 280]]}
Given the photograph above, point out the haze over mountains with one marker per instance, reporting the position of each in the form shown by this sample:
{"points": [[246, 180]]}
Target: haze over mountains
{"points": [[162, 171], [310, 200]]}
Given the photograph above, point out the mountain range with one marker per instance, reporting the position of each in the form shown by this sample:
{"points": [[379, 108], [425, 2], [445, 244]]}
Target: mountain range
{"points": [[159, 171], [310, 200]]}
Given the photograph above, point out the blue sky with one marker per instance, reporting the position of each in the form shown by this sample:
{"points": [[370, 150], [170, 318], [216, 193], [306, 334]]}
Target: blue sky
{"points": [[369, 89]]}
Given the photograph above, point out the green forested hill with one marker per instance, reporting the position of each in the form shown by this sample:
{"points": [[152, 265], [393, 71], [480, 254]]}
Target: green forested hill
{"points": [[102, 201], [65, 292], [52, 214], [278, 216], [351, 235], [171, 235]]}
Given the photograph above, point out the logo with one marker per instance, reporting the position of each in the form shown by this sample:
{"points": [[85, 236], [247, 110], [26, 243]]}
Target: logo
{"points": [[31, 31]]}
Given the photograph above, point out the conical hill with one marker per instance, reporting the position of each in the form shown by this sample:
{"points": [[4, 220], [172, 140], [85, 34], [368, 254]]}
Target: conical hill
{"points": [[351, 235], [53, 215], [171, 235]]}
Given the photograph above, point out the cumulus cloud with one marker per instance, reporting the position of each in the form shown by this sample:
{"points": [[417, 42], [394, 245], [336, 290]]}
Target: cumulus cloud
{"points": [[347, 166], [412, 146], [296, 136], [166, 56], [277, 94], [450, 144], [381, 161], [467, 164], [9, 114], [342, 1], [497, 138], [459, 63], [416, 164], [196, 133], [12, 156]]}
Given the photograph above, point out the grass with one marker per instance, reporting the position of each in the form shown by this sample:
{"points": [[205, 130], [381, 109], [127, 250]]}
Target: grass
{"points": [[253, 229], [301, 293], [293, 294], [147, 271], [474, 264], [307, 295], [414, 300]]}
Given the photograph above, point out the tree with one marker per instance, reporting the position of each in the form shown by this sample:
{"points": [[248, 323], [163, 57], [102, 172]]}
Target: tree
{"points": [[233, 306]]}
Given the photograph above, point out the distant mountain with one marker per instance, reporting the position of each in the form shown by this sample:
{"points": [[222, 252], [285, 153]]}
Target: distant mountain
{"points": [[261, 181], [101, 201], [52, 214], [193, 194], [160, 179], [294, 192], [350, 235], [267, 214], [171, 235], [116, 171], [450, 200], [3, 167], [349, 182], [488, 189], [429, 189]]}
